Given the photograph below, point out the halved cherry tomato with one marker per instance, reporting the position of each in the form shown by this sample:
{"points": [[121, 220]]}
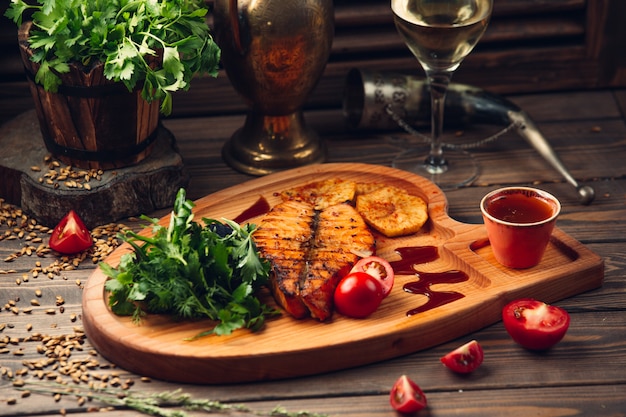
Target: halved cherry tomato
{"points": [[406, 396], [70, 235], [464, 359], [379, 269], [534, 324], [358, 295]]}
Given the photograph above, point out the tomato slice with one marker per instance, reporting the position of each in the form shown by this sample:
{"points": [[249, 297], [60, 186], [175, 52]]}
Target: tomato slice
{"points": [[406, 396], [379, 269], [534, 324], [70, 235], [358, 295], [464, 359]]}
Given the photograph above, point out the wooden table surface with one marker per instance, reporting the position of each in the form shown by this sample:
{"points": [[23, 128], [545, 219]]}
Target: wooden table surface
{"points": [[584, 375]]}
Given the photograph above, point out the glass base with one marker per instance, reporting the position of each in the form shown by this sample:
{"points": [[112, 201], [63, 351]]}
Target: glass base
{"points": [[460, 168]]}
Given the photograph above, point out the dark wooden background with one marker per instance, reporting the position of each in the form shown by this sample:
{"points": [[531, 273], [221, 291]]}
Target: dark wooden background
{"points": [[530, 46], [563, 61]]}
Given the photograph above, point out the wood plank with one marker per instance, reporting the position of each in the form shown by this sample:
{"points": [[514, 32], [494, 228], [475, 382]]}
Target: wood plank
{"points": [[217, 96], [585, 55], [596, 331], [600, 401], [576, 219], [620, 98], [592, 118], [368, 12], [570, 106], [385, 40], [506, 365]]}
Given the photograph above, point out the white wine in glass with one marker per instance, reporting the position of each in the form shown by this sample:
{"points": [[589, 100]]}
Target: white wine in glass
{"points": [[440, 33]]}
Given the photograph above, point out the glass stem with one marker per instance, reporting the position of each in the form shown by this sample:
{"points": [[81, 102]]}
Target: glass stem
{"points": [[435, 162]]}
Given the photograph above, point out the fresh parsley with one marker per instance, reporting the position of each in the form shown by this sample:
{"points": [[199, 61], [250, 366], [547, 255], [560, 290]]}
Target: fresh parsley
{"points": [[157, 45], [191, 271]]}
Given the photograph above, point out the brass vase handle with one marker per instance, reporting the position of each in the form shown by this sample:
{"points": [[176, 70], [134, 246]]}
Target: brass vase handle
{"points": [[233, 11]]}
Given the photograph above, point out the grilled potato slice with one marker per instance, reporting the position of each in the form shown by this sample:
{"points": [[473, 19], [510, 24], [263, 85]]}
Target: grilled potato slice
{"points": [[322, 194], [368, 187], [392, 211]]}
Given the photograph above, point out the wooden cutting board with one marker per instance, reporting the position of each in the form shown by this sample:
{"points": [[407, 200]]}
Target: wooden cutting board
{"points": [[289, 347]]}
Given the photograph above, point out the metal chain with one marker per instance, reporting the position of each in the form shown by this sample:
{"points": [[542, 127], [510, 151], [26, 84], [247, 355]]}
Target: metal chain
{"points": [[409, 129]]}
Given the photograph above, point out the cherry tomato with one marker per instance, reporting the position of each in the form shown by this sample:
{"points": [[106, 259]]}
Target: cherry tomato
{"points": [[406, 396], [464, 359], [534, 324], [358, 295], [70, 235], [379, 269]]}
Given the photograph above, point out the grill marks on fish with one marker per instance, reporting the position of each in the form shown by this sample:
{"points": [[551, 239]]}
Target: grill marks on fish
{"points": [[310, 251], [283, 237]]}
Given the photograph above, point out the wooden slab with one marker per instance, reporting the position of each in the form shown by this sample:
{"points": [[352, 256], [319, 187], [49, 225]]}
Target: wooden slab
{"points": [[290, 348], [123, 192]]}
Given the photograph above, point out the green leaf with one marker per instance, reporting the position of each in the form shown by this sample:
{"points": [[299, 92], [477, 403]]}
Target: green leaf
{"points": [[167, 104], [17, 10], [174, 70], [129, 36], [120, 64], [39, 41], [191, 271], [47, 78]]}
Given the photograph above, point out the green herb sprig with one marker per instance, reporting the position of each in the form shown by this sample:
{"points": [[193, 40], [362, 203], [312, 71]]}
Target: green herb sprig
{"points": [[191, 271], [162, 404], [161, 44]]}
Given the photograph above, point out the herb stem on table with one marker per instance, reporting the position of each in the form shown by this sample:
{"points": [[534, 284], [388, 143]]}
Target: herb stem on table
{"points": [[162, 404]]}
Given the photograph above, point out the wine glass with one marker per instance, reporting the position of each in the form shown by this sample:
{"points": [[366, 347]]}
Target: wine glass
{"points": [[440, 33]]}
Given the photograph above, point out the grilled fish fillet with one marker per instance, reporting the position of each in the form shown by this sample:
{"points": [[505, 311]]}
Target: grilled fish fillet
{"points": [[310, 251]]}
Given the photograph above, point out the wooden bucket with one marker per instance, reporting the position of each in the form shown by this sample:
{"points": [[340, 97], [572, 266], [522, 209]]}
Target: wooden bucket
{"points": [[91, 122]]}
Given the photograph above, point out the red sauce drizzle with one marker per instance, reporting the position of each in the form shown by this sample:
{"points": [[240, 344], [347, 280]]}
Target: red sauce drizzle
{"points": [[411, 256], [435, 298], [415, 255], [261, 206]]}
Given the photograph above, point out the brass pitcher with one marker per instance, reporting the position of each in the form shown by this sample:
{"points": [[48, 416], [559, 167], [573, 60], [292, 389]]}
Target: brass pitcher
{"points": [[274, 52]]}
